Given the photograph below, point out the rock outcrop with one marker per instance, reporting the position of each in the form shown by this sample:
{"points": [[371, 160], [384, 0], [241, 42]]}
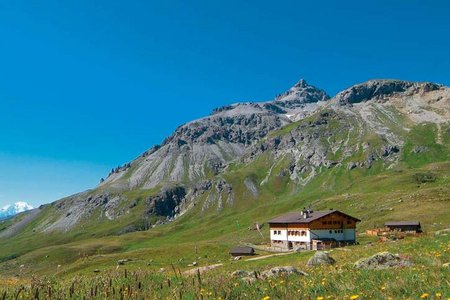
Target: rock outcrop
{"points": [[321, 258], [382, 90], [383, 260]]}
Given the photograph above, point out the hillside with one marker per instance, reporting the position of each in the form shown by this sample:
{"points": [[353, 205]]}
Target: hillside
{"points": [[378, 150]]}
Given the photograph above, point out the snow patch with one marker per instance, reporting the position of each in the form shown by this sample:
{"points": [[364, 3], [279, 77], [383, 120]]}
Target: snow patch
{"points": [[11, 210]]}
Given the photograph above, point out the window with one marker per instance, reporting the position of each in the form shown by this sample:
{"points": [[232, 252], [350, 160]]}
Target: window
{"points": [[329, 222], [324, 222], [349, 222]]}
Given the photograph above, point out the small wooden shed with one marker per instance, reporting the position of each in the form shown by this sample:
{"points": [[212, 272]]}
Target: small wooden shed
{"points": [[404, 226], [242, 251]]}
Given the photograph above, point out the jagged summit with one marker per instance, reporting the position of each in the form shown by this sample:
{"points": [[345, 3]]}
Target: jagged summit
{"points": [[378, 89], [301, 84], [300, 94]]}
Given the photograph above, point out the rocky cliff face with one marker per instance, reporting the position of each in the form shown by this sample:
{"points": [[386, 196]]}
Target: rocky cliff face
{"points": [[377, 90], [207, 145], [302, 127]]}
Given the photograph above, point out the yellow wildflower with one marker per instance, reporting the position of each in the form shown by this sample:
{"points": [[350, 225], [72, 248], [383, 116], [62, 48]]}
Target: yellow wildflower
{"points": [[438, 295], [354, 297], [319, 298], [424, 296], [266, 298]]}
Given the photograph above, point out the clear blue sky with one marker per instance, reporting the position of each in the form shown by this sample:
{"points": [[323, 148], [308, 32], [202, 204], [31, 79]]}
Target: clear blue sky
{"points": [[87, 85]]}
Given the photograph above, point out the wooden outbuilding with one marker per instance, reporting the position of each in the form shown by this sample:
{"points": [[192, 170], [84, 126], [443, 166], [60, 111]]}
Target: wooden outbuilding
{"points": [[242, 251], [404, 226]]}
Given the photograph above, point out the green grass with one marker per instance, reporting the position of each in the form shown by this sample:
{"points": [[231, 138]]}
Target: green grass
{"points": [[340, 281], [425, 136]]}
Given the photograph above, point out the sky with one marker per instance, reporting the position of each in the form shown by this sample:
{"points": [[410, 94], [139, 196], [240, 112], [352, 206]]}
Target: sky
{"points": [[89, 85]]}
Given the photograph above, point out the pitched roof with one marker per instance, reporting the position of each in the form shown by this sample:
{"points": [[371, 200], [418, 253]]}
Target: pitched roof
{"points": [[242, 250], [297, 218], [402, 223]]}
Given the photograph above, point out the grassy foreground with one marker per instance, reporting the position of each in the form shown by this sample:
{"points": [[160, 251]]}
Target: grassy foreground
{"points": [[426, 279]]}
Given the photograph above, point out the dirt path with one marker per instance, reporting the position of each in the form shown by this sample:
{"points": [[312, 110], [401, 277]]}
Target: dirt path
{"points": [[201, 269], [211, 267]]}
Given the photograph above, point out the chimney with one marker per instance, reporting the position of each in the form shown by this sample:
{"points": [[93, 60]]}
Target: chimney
{"points": [[305, 213]]}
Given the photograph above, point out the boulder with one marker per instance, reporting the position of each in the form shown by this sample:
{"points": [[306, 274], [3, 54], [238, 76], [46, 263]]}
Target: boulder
{"points": [[122, 261], [446, 265], [251, 276], [242, 273], [382, 260], [281, 271], [321, 258]]}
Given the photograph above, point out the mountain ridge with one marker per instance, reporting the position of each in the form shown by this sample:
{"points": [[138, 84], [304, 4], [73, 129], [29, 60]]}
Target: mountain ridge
{"points": [[303, 127]]}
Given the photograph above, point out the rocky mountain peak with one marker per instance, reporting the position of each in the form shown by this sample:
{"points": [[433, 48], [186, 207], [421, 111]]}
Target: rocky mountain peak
{"points": [[301, 84], [381, 88], [300, 94]]}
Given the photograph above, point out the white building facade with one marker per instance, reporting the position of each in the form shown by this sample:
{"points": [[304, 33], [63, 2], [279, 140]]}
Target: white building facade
{"points": [[312, 230]]}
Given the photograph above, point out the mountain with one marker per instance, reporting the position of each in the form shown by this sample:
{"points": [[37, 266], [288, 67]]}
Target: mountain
{"points": [[303, 129], [12, 210], [379, 150]]}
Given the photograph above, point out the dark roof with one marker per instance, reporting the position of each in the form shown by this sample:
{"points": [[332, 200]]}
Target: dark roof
{"points": [[242, 250], [297, 218], [402, 223]]}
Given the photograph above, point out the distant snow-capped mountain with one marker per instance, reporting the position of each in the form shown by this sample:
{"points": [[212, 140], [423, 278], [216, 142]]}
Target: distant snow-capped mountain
{"points": [[12, 210]]}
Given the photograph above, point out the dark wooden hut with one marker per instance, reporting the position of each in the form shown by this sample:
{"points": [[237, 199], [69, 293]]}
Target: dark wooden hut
{"points": [[242, 251], [404, 226]]}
